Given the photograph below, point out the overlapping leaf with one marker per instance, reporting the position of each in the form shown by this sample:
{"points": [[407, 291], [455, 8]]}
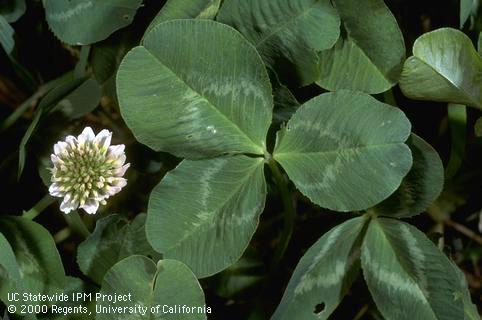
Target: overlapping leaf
{"points": [[466, 7], [112, 241], [186, 9], [38, 261], [287, 33], [444, 67], [10, 277], [345, 150], [6, 35], [67, 18], [369, 55], [73, 97], [205, 94], [205, 212], [420, 187], [171, 284], [408, 276], [324, 273], [12, 10], [479, 44]]}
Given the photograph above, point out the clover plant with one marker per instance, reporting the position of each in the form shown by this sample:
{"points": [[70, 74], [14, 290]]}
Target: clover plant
{"points": [[266, 154]]}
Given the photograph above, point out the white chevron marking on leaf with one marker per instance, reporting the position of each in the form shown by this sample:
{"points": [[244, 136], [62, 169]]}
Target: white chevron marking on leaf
{"points": [[66, 15]]}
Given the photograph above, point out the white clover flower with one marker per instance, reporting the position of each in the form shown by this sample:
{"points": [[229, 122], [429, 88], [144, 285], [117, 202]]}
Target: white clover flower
{"points": [[87, 170]]}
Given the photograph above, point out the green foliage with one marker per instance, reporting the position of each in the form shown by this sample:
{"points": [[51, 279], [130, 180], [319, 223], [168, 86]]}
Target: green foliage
{"points": [[186, 9], [324, 273], [286, 32], [408, 276], [169, 283], [444, 67], [73, 97], [112, 240], [204, 213], [369, 54], [420, 187], [6, 35], [227, 95], [67, 18], [30, 262], [203, 96], [12, 10], [338, 145]]}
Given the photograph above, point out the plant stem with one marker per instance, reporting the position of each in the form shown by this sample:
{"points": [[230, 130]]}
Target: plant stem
{"points": [[46, 201], [76, 224], [361, 312], [465, 231], [42, 90], [289, 213], [62, 235]]}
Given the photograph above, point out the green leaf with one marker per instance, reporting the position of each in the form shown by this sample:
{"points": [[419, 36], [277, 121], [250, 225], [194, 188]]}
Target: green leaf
{"points": [[73, 97], [369, 56], [285, 103], [444, 67], [408, 276], [82, 100], [204, 213], [478, 128], [287, 33], [107, 55], [324, 273], [67, 18], [112, 240], [345, 150], [470, 309], [241, 278], [465, 9], [205, 94], [171, 284], [12, 10], [6, 36], [420, 187], [479, 44], [186, 9], [10, 278], [40, 267], [457, 116]]}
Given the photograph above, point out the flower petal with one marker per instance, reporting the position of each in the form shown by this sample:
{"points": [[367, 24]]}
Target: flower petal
{"points": [[54, 190], [120, 160], [71, 142], [103, 139], [119, 172], [56, 160], [115, 151], [66, 206], [59, 147], [87, 135], [90, 206]]}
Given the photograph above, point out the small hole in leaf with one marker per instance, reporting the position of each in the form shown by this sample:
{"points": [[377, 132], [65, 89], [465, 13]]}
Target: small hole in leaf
{"points": [[189, 136], [126, 17], [319, 308]]}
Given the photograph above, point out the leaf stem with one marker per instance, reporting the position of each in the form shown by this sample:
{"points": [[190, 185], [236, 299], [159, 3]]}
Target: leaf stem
{"points": [[464, 230], [289, 213], [46, 201]]}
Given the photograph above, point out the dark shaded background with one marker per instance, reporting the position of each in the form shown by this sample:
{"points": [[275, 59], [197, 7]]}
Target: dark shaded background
{"points": [[40, 57]]}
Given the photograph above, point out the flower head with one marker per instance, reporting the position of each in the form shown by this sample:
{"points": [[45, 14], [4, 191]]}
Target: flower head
{"points": [[87, 170]]}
